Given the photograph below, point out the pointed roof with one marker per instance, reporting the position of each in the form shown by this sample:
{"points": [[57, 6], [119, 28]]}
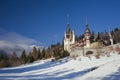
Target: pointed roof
{"points": [[68, 30], [87, 30]]}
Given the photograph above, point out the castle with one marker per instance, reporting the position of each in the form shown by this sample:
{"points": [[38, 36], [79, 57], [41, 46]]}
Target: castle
{"points": [[69, 38], [84, 44]]}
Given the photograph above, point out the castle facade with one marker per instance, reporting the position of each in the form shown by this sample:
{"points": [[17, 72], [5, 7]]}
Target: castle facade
{"points": [[69, 38]]}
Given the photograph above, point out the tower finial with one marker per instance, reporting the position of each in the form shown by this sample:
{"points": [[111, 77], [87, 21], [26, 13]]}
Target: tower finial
{"points": [[68, 25], [86, 22], [68, 19]]}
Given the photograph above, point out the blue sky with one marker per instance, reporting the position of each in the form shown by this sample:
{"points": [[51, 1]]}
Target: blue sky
{"points": [[45, 20]]}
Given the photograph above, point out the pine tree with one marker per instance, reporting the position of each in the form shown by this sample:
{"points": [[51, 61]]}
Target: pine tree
{"points": [[57, 51], [3, 59], [43, 53], [65, 54], [30, 58], [23, 57], [39, 53], [35, 54], [48, 53], [14, 60]]}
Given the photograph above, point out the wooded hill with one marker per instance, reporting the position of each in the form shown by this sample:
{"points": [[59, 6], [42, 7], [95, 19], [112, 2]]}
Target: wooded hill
{"points": [[54, 50]]}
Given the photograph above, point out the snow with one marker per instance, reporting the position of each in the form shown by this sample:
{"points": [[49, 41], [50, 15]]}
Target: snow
{"points": [[83, 68]]}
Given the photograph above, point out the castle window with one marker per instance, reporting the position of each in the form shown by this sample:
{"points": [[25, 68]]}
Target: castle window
{"points": [[68, 36]]}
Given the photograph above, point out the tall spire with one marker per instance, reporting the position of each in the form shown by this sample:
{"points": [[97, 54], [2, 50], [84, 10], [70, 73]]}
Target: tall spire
{"points": [[68, 24], [86, 25], [68, 19], [86, 22]]}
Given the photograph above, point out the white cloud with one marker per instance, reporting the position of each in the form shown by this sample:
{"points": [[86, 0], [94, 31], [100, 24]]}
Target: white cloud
{"points": [[12, 41], [17, 38]]}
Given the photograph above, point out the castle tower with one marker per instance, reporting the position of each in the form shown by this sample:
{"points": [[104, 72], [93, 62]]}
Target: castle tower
{"points": [[69, 37], [87, 36]]}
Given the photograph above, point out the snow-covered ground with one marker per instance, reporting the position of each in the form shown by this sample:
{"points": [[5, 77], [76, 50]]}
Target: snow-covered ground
{"points": [[83, 68]]}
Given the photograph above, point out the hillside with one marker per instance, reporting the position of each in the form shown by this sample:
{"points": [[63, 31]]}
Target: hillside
{"points": [[83, 68]]}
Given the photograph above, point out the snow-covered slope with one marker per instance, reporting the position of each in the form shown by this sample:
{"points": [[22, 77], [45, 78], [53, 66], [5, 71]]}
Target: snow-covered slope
{"points": [[83, 68]]}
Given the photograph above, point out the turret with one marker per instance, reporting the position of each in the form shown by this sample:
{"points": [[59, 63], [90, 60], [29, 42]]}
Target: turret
{"points": [[69, 37], [87, 35]]}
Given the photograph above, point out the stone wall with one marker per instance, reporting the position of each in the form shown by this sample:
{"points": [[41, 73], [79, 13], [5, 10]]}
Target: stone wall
{"points": [[80, 51]]}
